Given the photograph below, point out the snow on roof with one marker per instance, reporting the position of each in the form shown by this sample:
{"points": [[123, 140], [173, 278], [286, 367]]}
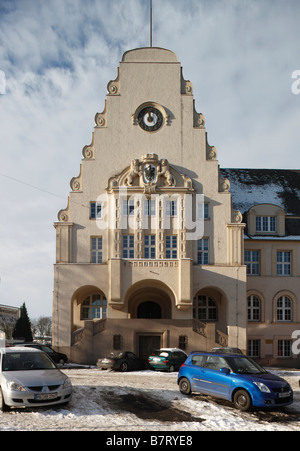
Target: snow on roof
{"points": [[251, 187]]}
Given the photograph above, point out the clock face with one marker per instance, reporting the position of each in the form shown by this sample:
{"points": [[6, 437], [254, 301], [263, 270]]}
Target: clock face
{"points": [[150, 119]]}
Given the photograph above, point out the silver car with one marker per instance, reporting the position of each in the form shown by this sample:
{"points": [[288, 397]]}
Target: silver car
{"points": [[29, 378]]}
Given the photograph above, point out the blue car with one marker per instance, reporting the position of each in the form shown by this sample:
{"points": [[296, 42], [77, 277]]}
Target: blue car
{"points": [[234, 377]]}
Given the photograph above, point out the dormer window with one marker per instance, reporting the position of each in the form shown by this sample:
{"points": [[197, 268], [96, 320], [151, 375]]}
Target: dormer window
{"points": [[265, 224]]}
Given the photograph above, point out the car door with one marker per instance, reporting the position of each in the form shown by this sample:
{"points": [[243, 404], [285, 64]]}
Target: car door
{"points": [[132, 361], [213, 381]]}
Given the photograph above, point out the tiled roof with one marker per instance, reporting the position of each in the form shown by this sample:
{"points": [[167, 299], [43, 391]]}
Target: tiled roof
{"points": [[250, 187]]}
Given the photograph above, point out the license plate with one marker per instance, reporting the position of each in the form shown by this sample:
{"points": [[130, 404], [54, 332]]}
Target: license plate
{"points": [[156, 359], [45, 396], [284, 395]]}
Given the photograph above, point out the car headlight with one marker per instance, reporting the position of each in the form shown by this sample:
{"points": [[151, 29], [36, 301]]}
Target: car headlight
{"points": [[263, 388], [67, 383], [15, 386]]}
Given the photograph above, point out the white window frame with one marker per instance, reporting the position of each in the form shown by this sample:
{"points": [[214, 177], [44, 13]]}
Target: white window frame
{"points": [[96, 249]]}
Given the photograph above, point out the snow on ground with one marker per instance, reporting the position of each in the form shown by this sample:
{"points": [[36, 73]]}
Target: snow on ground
{"points": [[147, 401]]}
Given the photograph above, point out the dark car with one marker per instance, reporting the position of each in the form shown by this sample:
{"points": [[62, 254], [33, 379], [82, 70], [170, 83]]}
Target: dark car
{"points": [[121, 361], [57, 357], [167, 359], [234, 377]]}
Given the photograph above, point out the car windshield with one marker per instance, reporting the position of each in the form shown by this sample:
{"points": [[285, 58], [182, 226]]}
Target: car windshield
{"points": [[245, 365], [22, 361]]}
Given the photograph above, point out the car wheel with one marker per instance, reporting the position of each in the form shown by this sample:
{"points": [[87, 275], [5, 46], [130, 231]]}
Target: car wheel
{"points": [[171, 368], [124, 367], [185, 386], [242, 400], [3, 407]]}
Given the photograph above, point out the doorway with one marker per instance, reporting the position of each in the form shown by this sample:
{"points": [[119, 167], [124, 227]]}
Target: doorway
{"points": [[148, 344]]}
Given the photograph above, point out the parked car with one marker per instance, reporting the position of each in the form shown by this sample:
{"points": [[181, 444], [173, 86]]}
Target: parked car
{"points": [[226, 350], [29, 378], [234, 377], [167, 359], [122, 361], [57, 357]]}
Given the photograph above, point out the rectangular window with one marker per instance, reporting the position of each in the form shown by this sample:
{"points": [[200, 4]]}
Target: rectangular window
{"points": [[128, 246], [253, 348], [149, 246], [265, 224], [96, 249], [171, 208], [95, 210], [203, 210], [202, 252], [252, 262], [284, 348], [128, 207], [149, 207], [283, 263], [171, 246]]}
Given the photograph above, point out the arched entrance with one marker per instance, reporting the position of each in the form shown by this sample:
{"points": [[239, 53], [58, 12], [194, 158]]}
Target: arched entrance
{"points": [[150, 300], [149, 309]]}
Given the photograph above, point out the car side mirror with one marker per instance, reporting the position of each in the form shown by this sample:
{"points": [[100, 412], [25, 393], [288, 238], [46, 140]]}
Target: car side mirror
{"points": [[225, 370]]}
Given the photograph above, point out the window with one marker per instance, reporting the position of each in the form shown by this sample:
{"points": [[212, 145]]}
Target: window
{"points": [[265, 224], [252, 262], [283, 263], [203, 210], [128, 207], [94, 307], [284, 309], [284, 348], [171, 208], [171, 246], [96, 249], [253, 308], [183, 339], [253, 348], [198, 360], [202, 252], [117, 342], [149, 207], [149, 246], [216, 363], [95, 210], [128, 246], [204, 308]]}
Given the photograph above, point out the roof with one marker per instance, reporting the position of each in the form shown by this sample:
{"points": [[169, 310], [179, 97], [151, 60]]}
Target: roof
{"points": [[18, 348], [251, 187]]}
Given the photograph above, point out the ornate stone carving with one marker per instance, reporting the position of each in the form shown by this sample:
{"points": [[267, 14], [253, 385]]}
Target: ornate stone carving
{"points": [[113, 86], [88, 151], [63, 215], [199, 119], [149, 175], [76, 182], [236, 217], [224, 185], [101, 118]]}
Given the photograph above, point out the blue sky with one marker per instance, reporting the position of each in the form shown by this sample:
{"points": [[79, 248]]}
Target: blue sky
{"points": [[57, 57]]}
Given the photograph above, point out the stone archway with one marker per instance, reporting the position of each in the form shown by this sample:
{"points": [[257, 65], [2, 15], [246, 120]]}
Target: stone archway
{"points": [[150, 299]]}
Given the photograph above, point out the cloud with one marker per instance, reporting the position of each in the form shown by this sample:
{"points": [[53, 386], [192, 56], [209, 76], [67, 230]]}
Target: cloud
{"points": [[58, 56]]}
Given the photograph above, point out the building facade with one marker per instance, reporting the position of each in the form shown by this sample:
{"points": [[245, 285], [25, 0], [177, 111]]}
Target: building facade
{"points": [[150, 248]]}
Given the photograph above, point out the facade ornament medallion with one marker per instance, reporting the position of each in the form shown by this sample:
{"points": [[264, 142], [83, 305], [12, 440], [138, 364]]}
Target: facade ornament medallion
{"points": [[101, 118], [88, 151]]}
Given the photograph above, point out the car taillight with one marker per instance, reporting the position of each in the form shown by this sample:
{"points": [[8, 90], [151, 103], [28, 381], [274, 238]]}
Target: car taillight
{"points": [[165, 361], [181, 366]]}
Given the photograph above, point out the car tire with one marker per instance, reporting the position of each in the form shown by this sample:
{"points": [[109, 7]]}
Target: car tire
{"points": [[124, 367], [171, 368], [242, 400], [3, 407], [185, 386]]}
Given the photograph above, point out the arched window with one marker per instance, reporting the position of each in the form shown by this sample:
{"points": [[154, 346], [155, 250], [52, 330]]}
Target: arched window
{"points": [[149, 309], [205, 308], [284, 309], [94, 307], [254, 308]]}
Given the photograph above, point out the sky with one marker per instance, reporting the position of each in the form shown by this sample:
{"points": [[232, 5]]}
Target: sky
{"points": [[56, 58]]}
